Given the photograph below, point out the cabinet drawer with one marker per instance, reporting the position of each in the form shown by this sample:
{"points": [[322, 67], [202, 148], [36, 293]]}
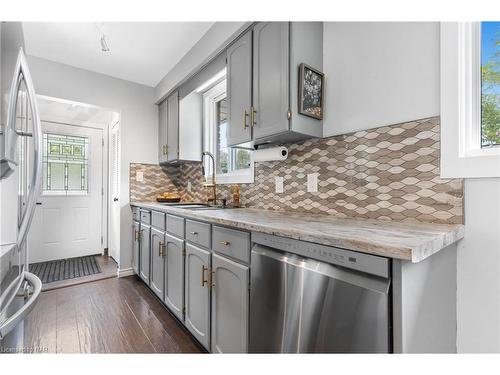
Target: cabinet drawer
{"points": [[135, 214], [175, 225], [198, 233], [231, 243], [158, 220], [145, 216]]}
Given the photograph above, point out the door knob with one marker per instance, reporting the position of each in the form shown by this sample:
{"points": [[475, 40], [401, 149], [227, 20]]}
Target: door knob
{"points": [[38, 203], [115, 199]]}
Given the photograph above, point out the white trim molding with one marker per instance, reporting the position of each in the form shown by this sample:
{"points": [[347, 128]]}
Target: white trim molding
{"points": [[461, 152], [125, 272]]}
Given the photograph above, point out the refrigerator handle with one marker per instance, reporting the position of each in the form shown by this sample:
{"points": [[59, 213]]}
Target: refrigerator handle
{"points": [[20, 314], [22, 74]]}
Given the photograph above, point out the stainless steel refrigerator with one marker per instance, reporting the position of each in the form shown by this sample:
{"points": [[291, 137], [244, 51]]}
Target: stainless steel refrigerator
{"points": [[20, 184]]}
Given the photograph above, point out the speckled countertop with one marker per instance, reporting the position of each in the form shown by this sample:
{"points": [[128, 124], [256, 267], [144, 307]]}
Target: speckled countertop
{"points": [[408, 241]]}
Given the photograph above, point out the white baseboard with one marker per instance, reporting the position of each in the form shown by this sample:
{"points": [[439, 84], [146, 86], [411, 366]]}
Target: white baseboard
{"points": [[125, 272]]}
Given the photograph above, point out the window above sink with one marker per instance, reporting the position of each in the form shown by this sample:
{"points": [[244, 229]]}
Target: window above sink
{"points": [[233, 165]]}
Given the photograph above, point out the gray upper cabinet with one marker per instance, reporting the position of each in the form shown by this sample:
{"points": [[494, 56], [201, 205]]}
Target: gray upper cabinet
{"points": [[135, 249], [239, 89], [230, 306], [191, 127], [173, 126], [271, 78], [174, 275], [145, 249], [197, 293], [162, 132], [265, 76], [157, 261]]}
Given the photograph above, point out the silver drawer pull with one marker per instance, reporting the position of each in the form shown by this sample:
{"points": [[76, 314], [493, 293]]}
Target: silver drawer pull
{"points": [[194, 233], [225, 243]]}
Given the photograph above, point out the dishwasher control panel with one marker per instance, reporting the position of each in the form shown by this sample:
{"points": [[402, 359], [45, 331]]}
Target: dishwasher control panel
{"points": [[371, 264]]}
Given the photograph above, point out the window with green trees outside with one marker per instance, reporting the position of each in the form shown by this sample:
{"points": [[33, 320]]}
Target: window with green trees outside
{"points": [[490, 84]]}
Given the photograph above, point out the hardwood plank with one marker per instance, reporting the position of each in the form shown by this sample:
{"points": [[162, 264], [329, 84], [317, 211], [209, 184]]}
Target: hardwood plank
{"points": [[106, 316], [40, 331], [165, 336]]}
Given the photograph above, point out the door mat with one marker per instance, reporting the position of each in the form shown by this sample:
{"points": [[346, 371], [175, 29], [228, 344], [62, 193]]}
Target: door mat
{"points": [[65, 269]]}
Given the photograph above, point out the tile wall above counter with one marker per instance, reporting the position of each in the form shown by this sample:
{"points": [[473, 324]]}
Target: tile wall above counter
{"points": [[389, 173]]}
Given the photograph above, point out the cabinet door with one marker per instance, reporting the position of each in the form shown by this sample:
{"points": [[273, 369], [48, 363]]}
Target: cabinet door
{"points": [[157, 262], [162, 132], [229, 306], [135, 248], [145, 250], [173, 126], [239, 90], [270, 78], [197, 294], [174, 275]]}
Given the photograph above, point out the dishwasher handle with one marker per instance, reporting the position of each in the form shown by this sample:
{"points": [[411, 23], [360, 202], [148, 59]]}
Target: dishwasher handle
{"points": [[363, 280]]}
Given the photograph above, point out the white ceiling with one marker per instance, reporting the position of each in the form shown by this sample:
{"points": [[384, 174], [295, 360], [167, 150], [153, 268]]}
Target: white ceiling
{"points": [[142, 52], [73, 113]]}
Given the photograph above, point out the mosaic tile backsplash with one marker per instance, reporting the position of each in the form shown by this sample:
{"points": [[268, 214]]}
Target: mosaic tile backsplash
{"points": [[387, 173]]}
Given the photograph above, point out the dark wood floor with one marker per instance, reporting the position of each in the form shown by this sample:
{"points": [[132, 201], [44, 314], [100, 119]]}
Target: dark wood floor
{"points": [[119, 315]]}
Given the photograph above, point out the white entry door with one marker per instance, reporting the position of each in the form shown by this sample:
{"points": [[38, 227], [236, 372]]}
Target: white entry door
{"points": [[68, 219]]}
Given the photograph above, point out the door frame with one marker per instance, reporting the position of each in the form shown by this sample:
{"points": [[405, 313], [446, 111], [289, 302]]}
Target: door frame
{"points": [[115, 122], [106, 131]]}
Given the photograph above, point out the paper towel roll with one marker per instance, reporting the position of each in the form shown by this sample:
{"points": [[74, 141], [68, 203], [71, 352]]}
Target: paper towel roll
{"points": [[270, 154]]}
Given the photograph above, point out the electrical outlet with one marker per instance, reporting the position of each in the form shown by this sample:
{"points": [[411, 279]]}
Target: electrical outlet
{"points": [[278, 184], [189, 187], [312, 182], [139, 176]]}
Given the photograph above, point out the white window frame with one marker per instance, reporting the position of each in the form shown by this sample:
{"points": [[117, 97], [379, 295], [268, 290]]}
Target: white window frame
{"points": [[210, 97], [461, 152]]}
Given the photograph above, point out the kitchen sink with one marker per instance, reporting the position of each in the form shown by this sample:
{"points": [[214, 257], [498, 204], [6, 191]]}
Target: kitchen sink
{"points": [[200, 208], [194, 206]]}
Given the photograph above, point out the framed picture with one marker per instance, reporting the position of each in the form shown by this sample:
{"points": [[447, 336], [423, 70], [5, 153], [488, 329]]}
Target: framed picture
{"points": [[311, 92]]}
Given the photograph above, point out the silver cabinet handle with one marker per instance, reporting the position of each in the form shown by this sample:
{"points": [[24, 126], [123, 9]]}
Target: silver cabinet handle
{"points": [[19, 315]]}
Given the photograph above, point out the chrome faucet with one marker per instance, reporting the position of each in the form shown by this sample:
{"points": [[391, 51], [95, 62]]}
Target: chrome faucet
{"points": [[213, 184]]}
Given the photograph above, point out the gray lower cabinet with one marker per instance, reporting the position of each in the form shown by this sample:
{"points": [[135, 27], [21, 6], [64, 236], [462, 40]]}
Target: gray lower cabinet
{"points": [[157, 262], [230, 306], [197, 293], [136, 227], [174, 275], [239, 89], [145, 250], [270, 78]]}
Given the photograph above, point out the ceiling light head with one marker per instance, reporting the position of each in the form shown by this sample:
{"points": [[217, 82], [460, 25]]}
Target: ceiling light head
{"points": [[104, 44]]}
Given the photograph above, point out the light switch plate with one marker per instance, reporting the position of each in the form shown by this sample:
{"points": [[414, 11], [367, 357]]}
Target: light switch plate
{"points": [[189, 187], [278, 184], [139, 176], [312, 182]]}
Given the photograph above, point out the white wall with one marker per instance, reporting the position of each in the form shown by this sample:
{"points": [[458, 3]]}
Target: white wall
{"points": [[384, 73], [214, 41], [478, 278], [379, 73], [138, 124]]}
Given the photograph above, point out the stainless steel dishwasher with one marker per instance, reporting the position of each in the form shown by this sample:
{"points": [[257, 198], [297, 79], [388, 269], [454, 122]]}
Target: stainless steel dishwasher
{"points": [[309, 298]]}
